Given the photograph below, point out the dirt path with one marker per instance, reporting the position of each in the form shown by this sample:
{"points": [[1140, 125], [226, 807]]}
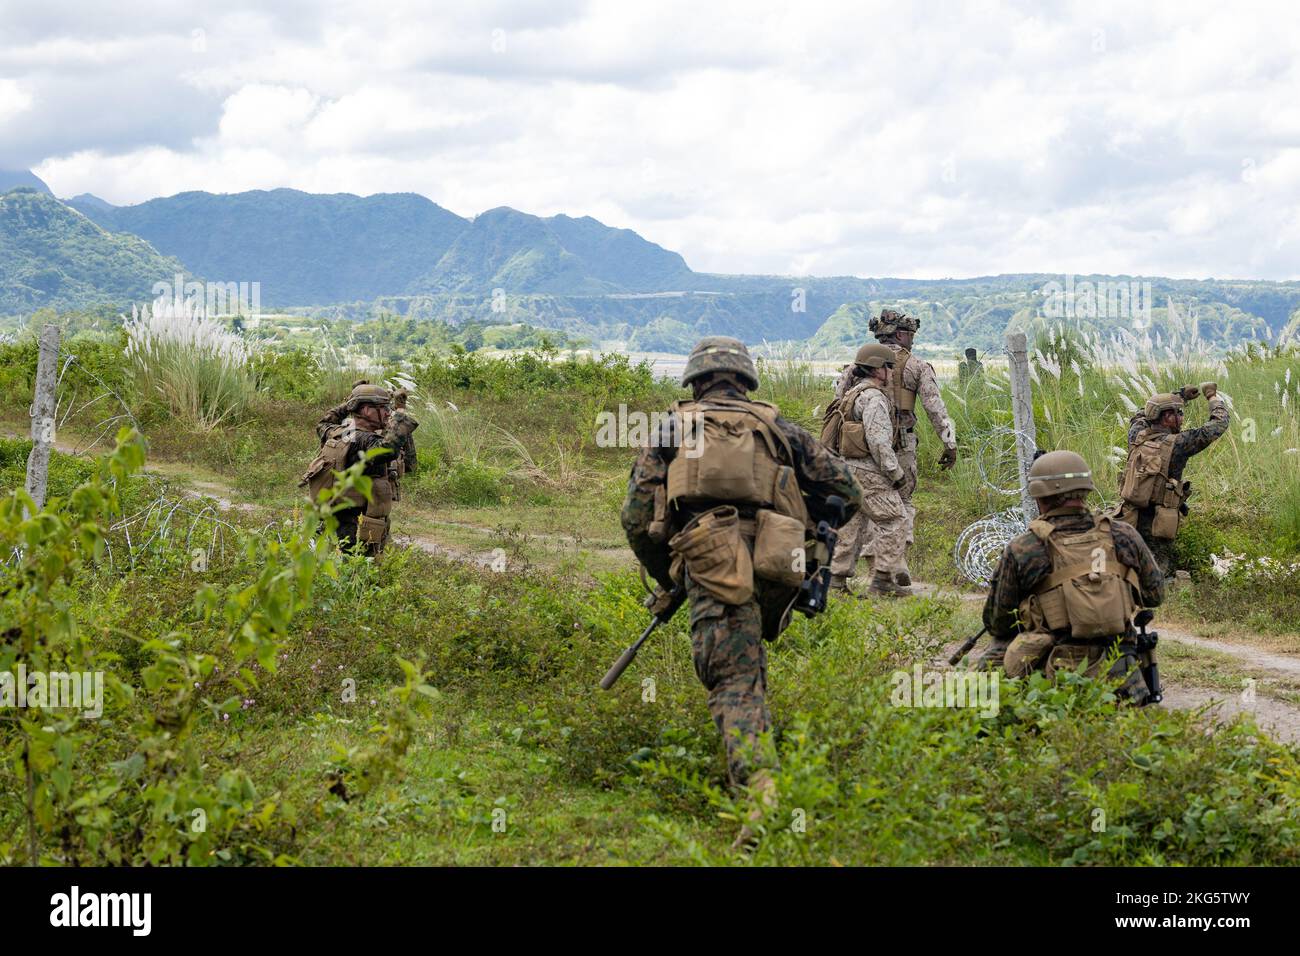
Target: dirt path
{"points": [[1249, 655]]}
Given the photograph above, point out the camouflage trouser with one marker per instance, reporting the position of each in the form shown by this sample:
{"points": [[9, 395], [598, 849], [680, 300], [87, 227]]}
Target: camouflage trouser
{"points": [[907, 461], [879, 525], [1068, 657], [731, 662]]}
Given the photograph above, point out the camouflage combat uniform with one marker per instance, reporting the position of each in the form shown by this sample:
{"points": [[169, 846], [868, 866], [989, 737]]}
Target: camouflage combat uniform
{"points": [[1026, 562], [361, 440], [1188, 442], [918, 376], [727, 640], [882, 506]]}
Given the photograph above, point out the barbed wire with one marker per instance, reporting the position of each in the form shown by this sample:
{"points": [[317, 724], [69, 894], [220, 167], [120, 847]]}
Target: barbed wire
{"points": [[980, 545], [996, 460]]}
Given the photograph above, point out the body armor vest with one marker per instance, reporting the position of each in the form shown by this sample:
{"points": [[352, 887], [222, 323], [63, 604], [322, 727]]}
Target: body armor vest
{"points": [[1089, 594], [904, 398], [1146, 478]]}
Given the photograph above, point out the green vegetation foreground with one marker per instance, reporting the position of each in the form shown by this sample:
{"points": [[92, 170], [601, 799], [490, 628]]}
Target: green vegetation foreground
{"points": [[274, 703]]}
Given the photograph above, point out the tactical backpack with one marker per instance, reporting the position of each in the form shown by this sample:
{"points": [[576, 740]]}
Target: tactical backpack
{"points": [[733, 453], [332, 457], [842, 430], [1089, 593], [1146, 483]]}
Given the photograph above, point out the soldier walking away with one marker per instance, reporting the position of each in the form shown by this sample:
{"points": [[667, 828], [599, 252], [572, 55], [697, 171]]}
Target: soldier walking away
{"points": [[911, 379], [726, 494], [866, 441], [1152, 489], [1068, 589], [971, 369], [363, 423]]}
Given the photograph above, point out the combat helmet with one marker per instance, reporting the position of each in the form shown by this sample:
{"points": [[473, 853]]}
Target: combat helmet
{"points": [[363, 393], [1157, 405], [1057, 472], [720, 353], [890, 321], [874, 356]]}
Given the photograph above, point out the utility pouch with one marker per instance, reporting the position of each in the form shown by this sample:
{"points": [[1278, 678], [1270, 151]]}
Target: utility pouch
{"points": [[372, 530], [658, 530], [853, 440], [779, 549], [787, 499], [1164, 524], [716, 555], [381, 495]]}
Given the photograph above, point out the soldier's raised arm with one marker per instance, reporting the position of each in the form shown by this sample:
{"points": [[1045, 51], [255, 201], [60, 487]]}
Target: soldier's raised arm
{"points": [[1195, 440]]}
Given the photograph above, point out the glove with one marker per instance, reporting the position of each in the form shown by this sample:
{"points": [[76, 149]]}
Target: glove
{"points": [[1209, 389], [948, 458], [1189, 392]]}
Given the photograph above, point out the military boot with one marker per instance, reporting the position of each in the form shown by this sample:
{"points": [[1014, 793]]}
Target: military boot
{"points": [[840, 582], [882, 585], [903, 579]]}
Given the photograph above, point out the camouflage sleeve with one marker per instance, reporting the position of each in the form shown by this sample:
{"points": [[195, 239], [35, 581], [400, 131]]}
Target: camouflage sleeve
{"points": [[821, 474], [649, 472], [386, 441], [1001, 607], [1133, 552], [1135, 426], [878, 430], [331, 418], [927, 393], [406, 426], [1196, 440]]}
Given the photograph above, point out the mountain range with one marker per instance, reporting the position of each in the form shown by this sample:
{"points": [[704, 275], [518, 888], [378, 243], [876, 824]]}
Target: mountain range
{"points": [[345, 256]]}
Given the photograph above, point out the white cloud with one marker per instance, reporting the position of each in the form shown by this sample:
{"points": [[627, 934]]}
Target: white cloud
{"points": [[871, 138]]}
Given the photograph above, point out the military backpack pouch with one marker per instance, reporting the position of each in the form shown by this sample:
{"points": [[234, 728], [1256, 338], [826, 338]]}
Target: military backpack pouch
{"points": [[853, 441], [1164, 524], [371, 530], [787, 499], [381, 498], [722, 446], [779, 549], [716, 555]]}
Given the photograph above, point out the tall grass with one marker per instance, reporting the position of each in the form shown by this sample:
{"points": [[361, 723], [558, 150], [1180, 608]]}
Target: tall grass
{"points": [[1085, 389], [197, 368]]}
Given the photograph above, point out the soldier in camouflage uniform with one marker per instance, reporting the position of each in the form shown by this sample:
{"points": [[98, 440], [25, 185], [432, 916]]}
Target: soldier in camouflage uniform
{"points": [[727, 639], [880, 475], [1160, 423], [911, 380], [1013, 612], [347, 431]]}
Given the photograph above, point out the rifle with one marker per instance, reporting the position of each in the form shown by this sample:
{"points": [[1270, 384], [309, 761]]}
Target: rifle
{"points": [[814, 590], [667, 604], [1146, 644], [966, 647]]}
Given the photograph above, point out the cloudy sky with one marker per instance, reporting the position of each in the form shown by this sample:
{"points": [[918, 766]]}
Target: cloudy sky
{"points": [[875, 139]]}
